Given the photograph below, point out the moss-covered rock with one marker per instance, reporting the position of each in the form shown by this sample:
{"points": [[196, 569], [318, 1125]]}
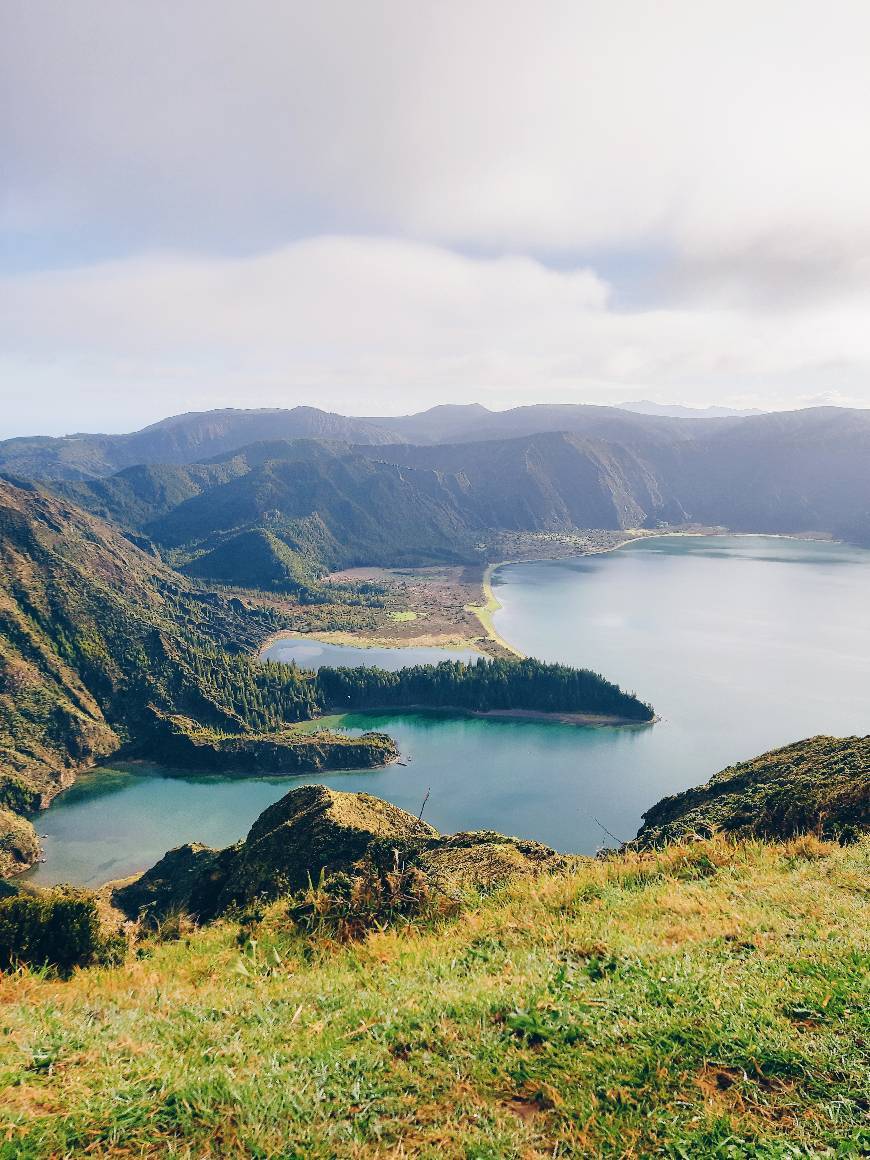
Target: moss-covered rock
{"points": [[19, 847], [821, 785], [315, 830]]}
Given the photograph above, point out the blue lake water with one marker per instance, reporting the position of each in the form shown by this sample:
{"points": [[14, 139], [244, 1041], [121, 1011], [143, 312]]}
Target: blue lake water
{"points": [[314, 654], [741, 644]]}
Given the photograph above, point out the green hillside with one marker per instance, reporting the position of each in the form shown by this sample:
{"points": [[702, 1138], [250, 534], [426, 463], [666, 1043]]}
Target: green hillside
{"points": [[703, 1001], [100, 645], [105, 649], [336, 504], [821, 785]]}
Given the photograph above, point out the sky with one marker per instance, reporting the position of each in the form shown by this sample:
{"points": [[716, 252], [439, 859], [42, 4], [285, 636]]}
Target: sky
{"points": [[375, 206]]}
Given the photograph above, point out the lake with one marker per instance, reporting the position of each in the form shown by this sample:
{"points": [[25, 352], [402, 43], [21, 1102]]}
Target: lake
{"points": [[742, 643]]}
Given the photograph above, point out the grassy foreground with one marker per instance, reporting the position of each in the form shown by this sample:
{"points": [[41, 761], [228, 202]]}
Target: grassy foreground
{"points": [[707, 1000]]}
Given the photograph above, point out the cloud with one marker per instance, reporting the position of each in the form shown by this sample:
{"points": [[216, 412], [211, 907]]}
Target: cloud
{"points": [[367, 325], [387, 204], [729, 131]]}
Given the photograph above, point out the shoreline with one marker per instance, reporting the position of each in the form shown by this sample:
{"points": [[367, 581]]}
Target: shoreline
{"points": [[490, 604], [557, 717]]}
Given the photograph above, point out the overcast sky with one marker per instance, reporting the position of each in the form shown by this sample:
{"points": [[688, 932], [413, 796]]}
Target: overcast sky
{"points": [[377, 206]]}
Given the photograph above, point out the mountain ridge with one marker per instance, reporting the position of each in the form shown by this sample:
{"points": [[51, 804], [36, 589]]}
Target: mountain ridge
{"points": [[200, 435]]}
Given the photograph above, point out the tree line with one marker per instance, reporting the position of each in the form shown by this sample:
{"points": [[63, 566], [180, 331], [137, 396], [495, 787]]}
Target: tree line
{"points": [[481, 686]]}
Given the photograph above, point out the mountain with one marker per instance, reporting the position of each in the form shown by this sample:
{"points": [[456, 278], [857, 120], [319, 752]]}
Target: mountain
{"points": [[180, 439], [103, 647], [677, 411], [199, 436], [277, 514]]}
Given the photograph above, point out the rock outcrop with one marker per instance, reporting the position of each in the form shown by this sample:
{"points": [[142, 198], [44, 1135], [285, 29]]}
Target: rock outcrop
{"points": [[19, 846], [821, 785], [312, 830]]}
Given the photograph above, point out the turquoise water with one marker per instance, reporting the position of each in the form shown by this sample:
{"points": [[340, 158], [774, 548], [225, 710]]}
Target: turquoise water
{"points": [[741, 643], [313, 654]]}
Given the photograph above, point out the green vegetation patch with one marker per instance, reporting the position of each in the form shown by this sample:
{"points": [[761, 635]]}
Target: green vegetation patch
{"points": [[821, 785], [481, 686], [59, 928], [702, 1001]]}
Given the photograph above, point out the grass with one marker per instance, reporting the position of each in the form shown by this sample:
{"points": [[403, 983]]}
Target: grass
{"points": [[407, 614], [702, 1001]]}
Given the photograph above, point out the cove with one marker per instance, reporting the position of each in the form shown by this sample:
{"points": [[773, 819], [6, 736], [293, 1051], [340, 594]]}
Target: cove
{"points": [[742, 643]]}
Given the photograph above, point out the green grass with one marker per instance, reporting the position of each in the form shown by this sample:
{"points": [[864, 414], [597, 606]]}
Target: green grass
{"points": [[407, 614], [704, 1001]]}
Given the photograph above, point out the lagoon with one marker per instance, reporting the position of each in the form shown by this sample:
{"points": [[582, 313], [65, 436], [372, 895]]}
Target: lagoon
{"points": [[741, 643]]}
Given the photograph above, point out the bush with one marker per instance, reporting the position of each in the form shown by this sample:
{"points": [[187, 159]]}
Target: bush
{"points": [[60, 928], [377, 895]]}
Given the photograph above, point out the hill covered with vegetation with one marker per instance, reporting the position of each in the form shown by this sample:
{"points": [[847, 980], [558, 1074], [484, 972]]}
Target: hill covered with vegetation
{"points": [[278, 514], [821, 786], [483, 686], [105, 649]]}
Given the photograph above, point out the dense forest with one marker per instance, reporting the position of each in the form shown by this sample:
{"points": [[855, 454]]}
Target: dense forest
{"points": [[485, 685]]}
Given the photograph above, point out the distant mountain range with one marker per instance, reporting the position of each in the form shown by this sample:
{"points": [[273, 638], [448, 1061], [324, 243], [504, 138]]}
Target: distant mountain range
{"points": [[278, 512], [199, 436], [677, 411]]}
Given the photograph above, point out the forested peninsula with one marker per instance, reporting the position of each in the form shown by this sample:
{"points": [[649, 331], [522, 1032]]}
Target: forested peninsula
{"points": [[486, 686]]}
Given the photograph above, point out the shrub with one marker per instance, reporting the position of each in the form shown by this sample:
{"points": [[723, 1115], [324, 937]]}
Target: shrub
{"points": [[377, 895], [58, 928]]}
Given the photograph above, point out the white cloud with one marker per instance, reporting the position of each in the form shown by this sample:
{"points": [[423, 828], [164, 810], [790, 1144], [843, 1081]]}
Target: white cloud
{"points": [[727, 138], [717, 128], [368, 325]]}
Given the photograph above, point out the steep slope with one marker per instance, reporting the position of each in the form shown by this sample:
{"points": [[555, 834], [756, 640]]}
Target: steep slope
{"points": [[555, 481], [277, 513], [103, 646], [791, 472]]}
